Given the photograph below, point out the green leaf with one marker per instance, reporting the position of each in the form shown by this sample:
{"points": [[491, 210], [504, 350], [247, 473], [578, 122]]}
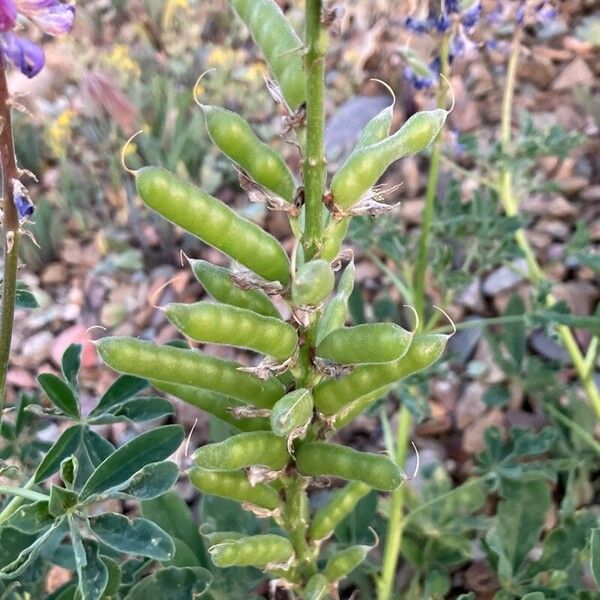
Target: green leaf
{"points": [[24, 298], [31, 518], [98, 449], [123, 388], [172, 514], [184, 557], [114, 578], [496, 395], [595, 555], [173, 583], [145, 409], [133, 536], [92, 571], [61, 500], [514, 333], [151, 446], [71, 363], [152, 481], [64, 446], [60, 393]]}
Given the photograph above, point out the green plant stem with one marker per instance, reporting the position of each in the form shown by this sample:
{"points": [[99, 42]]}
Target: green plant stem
{"points": [[10, 232], [393, 539], [577, 429], [314, 167], [510, 204], [18, 499], [430, 192]]}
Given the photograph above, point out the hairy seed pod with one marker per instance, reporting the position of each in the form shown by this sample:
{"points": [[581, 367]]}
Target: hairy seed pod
{"points": [[340, 504], [336, 312], [333, 236], [232, 326], [313, 283], [342, 563], [378, 128], [366, 343], [188, 367], [213, 222], [218, 283], [235, 138], [218, 537], [214, 404], [352, 410], [332, 395], [316, 588], [235, 486], [363, 168], [317, 459], [256, 448], [278, 42], [292, 412], [252, 551]]}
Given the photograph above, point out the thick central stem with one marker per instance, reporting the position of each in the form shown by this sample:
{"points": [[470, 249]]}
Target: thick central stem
{"points": [[10, 231], [314, 168]]}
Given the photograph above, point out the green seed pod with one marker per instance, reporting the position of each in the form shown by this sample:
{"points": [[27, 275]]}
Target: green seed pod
{"points": [[278, 42], [253, 551], [235, 486], [313, 283], [332, 395], [316, 588], [317, 459], [218, 537], [333, 236], [235, 138], [367, 343], [188, 367], [336, 312], [358, 406], [294, 411], [378, 128], [256, 448], [340, 504], [218, 283], [363, 168], [342, 563], [215, 404], [213, 222], [232, 326]]}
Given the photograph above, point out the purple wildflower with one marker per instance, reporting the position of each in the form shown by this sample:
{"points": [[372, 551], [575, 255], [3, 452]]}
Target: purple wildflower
{"points": [[51, 16], [470, 16], [441, 22], [545, 12], [416, 25], [452, 6], [22, 201], [419, 82]]}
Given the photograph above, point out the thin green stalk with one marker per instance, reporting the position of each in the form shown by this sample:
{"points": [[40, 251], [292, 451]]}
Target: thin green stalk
{"points": [[314, 167], [22, 493], [10, 232], [393, 538], [14, 504], [577, 429], [511, 208], [430, 193]]}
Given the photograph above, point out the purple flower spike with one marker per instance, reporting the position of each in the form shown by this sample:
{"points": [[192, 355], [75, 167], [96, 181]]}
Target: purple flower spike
{"points": [[22, 202], [56, 19], [545, 13], [452, 6], [419, 82], [8, 15], [416, 25], [472, 15], [520, 16], [441, 23]]}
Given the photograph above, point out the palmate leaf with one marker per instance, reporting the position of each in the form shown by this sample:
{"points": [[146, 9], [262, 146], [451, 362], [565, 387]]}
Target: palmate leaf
{"points": [[149, 447], [31, 518], [173, 583], [122, 389], [139, 410], [64, 447], [139, 537], [24, 298], [71, 363]]}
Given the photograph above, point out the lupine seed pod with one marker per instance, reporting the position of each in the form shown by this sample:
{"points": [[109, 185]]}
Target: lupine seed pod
{"points": [[232, 326], [218, 537], [278, 42], [336, 312], [378, 128], [313, 283], [235, 486], [235, 138], [215, 404], [213, 222], [218, 283], [316, 588], [363, 168], [352, 410], [318, 459], [342, 563], [256, 448], [332, 395], [294, 411], [187, 367], [339, 505], [253, 551], [333, 236]]}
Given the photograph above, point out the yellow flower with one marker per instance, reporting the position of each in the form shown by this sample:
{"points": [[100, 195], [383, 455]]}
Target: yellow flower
{"points": [[120, 60], [59, 132], [219, 56], [255, 72]]}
